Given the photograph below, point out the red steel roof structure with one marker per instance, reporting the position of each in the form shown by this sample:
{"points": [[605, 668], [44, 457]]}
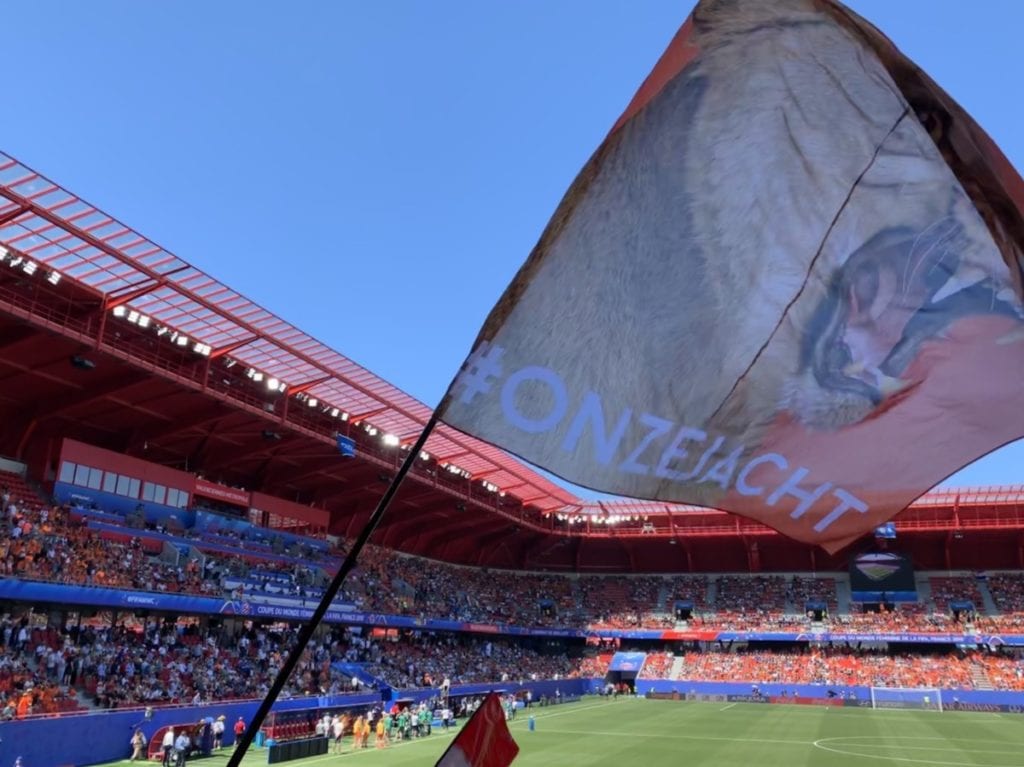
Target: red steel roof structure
{"points": [[60, 231], [111, 339]]}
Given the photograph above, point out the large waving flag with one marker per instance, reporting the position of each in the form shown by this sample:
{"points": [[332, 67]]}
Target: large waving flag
{"points": [[788, 285], [484, 741]]}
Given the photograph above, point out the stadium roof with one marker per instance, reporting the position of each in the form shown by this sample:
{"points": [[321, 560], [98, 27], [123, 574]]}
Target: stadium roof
{"points": [[171, 366], [62, 232]]}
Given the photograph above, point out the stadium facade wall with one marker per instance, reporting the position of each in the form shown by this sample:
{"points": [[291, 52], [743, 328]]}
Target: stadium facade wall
{"points": [[1011, 700]]}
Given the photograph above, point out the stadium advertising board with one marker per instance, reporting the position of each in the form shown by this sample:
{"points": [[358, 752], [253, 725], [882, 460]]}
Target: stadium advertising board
{"points": [[800, 700], [746, 699], [208, 489]]}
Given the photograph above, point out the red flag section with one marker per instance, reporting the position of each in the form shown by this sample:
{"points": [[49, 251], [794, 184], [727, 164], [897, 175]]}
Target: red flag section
{"points": [[787, 285], [484, 740]]}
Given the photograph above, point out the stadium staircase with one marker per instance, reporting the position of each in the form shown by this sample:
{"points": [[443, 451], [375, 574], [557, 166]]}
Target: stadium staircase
{"points": [[712, 594], [661, 605], [789, 606], [677, 668], [924, 591], [986, 598], [979, 678], [843, 596]]}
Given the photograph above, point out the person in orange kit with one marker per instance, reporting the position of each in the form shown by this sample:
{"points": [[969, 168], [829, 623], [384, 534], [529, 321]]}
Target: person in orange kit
{"points": [[24, 706]]}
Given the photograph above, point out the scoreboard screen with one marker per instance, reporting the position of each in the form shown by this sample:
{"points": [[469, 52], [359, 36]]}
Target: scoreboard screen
{"points": [[881, 572]]}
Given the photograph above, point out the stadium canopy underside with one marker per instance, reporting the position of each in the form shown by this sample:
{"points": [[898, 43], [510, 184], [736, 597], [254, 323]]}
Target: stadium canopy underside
{"points": [[108, 338]]}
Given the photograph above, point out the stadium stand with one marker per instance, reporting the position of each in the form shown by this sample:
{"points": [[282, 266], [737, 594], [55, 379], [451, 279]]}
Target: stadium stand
{"points": [[833, 667], [690, 588], [951, 590], [128, 582], [803, 590], [741, 594]]}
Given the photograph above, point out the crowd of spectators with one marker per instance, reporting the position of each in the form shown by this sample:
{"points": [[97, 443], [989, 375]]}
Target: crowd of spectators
{"points": [[52, 543], [423, 659], [751, 594], [1007, 592], [657, 665], [838, 666], [947, 590], [159, 663], [803, 590], [595, 666], [689, 588], [30, 679], [758, 620], [50, 670]]}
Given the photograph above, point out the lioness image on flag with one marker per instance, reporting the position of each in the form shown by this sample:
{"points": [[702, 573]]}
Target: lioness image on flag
{"points": [[787, 285]]}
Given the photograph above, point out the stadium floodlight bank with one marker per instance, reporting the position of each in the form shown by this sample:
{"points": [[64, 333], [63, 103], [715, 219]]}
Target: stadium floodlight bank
{"points": [[924, 698]]}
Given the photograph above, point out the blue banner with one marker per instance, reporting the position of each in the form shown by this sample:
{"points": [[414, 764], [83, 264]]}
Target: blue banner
{"points": [[627, 661]]}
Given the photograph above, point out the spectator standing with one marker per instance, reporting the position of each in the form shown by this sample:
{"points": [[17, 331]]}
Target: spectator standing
{"points": [[218, 732], [168, 746], [138, 742]]}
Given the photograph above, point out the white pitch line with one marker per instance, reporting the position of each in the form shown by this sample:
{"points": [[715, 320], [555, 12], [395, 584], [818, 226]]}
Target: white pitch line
{"points": [[726, 708], [617, 734]]}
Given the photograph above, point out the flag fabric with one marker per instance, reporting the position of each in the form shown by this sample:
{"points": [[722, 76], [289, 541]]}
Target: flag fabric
{"points": [[484, 740], [787, 285]]}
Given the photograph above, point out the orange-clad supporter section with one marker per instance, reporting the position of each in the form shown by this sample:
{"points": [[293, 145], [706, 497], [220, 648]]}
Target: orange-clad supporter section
{"points": [[838, 667]]}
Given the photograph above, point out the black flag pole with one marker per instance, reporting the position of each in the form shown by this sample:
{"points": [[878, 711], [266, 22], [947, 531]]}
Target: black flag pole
{"points": [[306, 632]]}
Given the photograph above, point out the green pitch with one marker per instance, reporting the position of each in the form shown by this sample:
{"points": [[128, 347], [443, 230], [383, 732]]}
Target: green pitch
{"points": [[653, 733]]}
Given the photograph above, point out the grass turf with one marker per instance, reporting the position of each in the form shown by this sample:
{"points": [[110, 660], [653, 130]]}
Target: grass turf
{"points": [[597, 732]]}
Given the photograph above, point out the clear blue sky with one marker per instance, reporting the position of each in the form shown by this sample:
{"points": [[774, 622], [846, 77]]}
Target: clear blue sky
{"points": [[376, 172]]}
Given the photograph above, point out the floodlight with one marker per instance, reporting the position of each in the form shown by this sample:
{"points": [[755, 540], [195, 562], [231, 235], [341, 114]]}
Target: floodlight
{"points": [[53, 278], [120, 310]]}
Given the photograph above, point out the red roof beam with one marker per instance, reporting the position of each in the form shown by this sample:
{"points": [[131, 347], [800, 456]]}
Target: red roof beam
{"points": [[221, 351], [305, 387]]}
